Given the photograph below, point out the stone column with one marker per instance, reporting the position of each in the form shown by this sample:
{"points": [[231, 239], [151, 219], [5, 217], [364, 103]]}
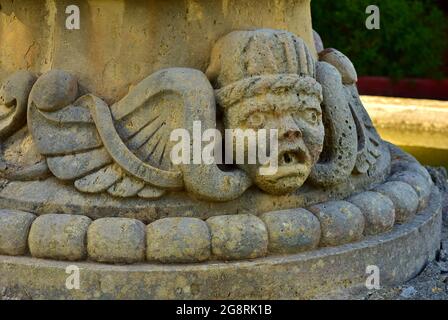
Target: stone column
{"points": [[121, 42]]}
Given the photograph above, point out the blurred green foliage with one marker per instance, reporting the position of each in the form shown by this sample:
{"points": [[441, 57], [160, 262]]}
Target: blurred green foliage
{"points": [[411, 41]]}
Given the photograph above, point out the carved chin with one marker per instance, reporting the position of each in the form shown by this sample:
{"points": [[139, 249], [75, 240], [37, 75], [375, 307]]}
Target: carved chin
{"points": [[287, 179]]}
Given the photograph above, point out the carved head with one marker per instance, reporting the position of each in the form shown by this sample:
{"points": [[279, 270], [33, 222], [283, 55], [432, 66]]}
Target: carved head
{"points": [[265, 80]]}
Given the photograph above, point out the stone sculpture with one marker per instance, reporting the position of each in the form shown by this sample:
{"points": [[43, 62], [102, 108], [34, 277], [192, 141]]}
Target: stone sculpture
{"points": [[106, 169], [263, 79]]}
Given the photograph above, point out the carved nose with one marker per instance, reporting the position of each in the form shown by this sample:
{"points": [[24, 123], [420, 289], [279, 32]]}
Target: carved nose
{"points": [[289, 129], [292, 134]]}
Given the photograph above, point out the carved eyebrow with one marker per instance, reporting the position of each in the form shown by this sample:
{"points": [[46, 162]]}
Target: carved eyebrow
{"points": [[264, 107], [313, 107], [300, 106]]}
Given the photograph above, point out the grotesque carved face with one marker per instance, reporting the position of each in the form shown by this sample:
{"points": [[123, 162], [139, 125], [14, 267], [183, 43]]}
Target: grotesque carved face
{"points": [[298, 119]]}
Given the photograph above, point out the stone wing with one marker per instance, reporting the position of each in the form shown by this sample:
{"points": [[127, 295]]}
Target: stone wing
{"points": [[123, 150]]}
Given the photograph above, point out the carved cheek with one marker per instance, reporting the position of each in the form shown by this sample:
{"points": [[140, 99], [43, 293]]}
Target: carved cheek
{"points": [[313, 135]]}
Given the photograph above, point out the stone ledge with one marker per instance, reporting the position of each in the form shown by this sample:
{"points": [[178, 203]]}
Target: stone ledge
{"points": [[400, 255]]}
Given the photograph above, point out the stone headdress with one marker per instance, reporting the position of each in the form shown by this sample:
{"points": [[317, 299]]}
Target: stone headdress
{"points": [[247, 63]]}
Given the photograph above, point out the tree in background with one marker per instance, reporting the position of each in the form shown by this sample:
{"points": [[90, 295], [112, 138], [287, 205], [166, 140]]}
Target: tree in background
{"points": [[410, 43]]}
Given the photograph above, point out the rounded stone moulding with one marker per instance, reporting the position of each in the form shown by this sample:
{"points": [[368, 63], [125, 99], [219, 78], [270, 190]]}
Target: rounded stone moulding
{"points": [[121, 42], [400, 254]]}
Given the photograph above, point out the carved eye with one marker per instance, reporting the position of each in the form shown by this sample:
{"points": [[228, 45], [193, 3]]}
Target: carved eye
{"points": [[255, 120], [311, 116]]}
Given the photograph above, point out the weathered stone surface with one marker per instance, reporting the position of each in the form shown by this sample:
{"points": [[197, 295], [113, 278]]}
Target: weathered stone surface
{"points": [[256, 96], [340, 62], [14, 228], [14, 93], [103, 143], [59, 236], [400, 255], [72, 166], [340, 221], [440, 177], [292, 231], [54, 90], [100, 180], [172, 98], [404, 198], [128, 187], [172, 240], [318, 43], [342, 149], [418, 182], [60, 197], [260, 79], [241, 236], [368, 141], [116, 240], [57, 134], [378, 210], [20, 160], [399, 166], [150, 192]]}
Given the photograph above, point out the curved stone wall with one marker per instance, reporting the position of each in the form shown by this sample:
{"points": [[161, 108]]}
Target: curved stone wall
{"points": [[120, 42]]}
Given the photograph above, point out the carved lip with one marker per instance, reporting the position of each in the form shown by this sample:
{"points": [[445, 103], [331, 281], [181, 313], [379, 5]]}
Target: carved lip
{"points": [[297, 170], [292, 162]]}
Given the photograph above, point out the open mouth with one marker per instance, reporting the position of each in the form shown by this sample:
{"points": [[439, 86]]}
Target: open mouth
{"points": [[291, 163]]}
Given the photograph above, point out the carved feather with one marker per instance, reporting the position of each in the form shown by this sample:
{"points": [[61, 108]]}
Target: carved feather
{"points": [[368, 138], [125, 149], [125, 157]]}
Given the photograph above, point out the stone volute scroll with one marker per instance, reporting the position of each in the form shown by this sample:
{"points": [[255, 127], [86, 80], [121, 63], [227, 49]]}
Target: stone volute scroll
{"points": [[261, 79], [14, 94], [359, 149], [125, 150]]}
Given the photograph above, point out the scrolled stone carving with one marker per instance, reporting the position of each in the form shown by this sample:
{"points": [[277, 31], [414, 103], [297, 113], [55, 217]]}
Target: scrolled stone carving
{"points": [[262, 79], [90, 177], [13, 101], [124, 150], [256, 68], [21, 161], [344, 91], [339, 153]]}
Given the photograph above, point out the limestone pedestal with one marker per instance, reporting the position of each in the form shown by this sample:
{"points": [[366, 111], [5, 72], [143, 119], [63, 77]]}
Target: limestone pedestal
{"points": [[76, 193]]}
